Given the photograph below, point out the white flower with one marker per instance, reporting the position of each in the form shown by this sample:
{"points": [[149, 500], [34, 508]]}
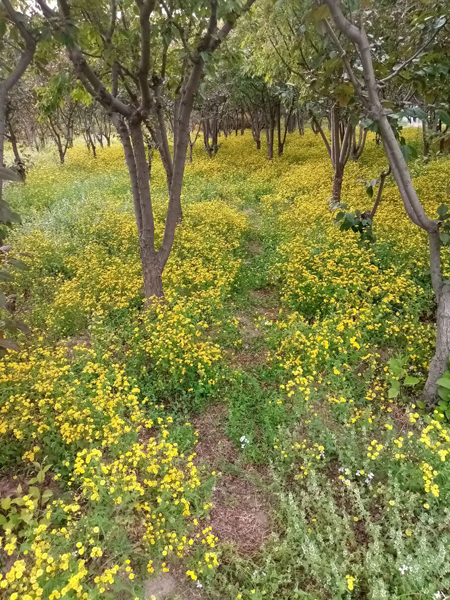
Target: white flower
{"points": [[199, 585], [369, 478], [404, 568], [244, 441]]}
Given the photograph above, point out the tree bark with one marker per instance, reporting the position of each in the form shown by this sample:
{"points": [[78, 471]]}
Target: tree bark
{"points": [[2, 133], [383, 176], [439, 362], [270, 130], [278, 117], [337, 185]]}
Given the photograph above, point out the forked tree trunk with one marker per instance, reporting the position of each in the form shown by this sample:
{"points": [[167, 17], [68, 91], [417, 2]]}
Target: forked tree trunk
{"points": [[129, 118], [337, 152], [358, 144], [256, 123]]}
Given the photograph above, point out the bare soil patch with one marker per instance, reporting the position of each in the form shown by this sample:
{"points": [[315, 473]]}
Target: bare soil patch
{"points": [[240, 513], [172, 585]]}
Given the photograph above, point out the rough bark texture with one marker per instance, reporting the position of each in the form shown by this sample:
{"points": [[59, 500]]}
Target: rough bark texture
{"points": [[337, 185], [2, 132], [439, 362]]}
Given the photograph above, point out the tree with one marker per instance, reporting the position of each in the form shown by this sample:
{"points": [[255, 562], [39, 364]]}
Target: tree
{"points": [[18, 46], [131, 58], [58, 109], [369, 93]]}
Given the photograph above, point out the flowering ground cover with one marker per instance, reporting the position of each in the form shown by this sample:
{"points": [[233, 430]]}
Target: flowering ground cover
{"points": [[309, 342]]}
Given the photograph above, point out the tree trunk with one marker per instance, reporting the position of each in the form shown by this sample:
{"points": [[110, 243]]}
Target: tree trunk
{"points": [[270, 130], [269, 139], [300, 123], [2, 133], [280, 142], [151, 267], [439, 363], [426, 139], [337, 185], [206, 134]]}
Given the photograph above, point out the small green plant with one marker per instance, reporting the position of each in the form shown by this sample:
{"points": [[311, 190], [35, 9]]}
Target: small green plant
{"points": [[443, 406], [398, 376], [25, 505], [357, 221]]}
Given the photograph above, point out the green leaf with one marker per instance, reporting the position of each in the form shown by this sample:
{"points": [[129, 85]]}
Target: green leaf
{"points": [[3, 301], [10, 174], [444, 393], [444, 382], [9, 345], [394, 390], [320, 13], [5, 503], [46, 495], [26, 515], [396, 366], [5, 276], [445, 238], [443, 116], [21, 326], [2, 520], [18, 264], [33, 491], [442, 211], [408, 151], [7, 215], [411, 380]]}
